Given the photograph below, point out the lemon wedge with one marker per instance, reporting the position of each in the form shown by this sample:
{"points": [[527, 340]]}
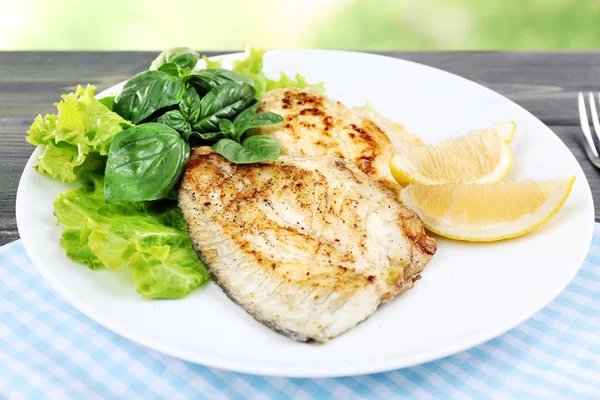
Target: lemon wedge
{"points": [[487, 212], [477, 157]]}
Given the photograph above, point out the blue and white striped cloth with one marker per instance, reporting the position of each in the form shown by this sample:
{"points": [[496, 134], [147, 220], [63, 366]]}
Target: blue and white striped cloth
{"points": [[50, 350]]}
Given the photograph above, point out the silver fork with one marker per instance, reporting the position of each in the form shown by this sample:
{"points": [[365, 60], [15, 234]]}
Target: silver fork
{"points": [[591, 147]]}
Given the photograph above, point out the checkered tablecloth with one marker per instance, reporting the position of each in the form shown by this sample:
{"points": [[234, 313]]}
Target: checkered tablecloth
{"points": [[50, 350]]}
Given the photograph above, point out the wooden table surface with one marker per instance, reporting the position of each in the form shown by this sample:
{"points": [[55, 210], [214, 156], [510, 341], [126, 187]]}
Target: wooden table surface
{"points": [[545, 83]]}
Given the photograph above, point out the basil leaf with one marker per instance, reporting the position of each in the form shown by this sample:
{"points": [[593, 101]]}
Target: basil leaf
{"points": [[266, 118], [227, 128], [184, 57], [205, 80], [190, 105], [187, 61], [108, 102], [171, 69], [186, 135], [248, 119], [253, 149], [175, 120], [265, 147], [223, 102], [245, 116], [146, 93], [144, 163], [209, 135]]}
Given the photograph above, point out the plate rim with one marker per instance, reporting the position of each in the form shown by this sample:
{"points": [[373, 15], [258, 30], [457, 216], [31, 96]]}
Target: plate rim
{"points": [[435, 353]]}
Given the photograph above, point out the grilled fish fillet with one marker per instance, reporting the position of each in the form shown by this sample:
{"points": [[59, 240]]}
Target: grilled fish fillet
{"points": [[309, 246], [315, 125]]}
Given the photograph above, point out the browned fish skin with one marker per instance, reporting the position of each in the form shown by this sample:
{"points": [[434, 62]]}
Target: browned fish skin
{"points": [[315, 125], [308, 246]]}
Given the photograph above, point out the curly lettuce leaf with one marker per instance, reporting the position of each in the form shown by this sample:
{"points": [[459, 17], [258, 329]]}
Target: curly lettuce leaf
{"points": [[150, 238], [82, 126], [252, 67], [218, 63]]}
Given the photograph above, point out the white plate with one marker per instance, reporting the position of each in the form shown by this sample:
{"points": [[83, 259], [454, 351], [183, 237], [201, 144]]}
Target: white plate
{"points": [[469, 293]]}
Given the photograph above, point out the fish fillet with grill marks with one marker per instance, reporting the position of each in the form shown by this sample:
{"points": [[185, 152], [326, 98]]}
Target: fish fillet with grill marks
{"points": [[313, 125], [309, 246]]}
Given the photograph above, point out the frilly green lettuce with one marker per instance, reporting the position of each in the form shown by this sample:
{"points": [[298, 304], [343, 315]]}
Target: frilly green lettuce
{"points": [[150, 238], [218, 63], [82, 126], [252, 67]]}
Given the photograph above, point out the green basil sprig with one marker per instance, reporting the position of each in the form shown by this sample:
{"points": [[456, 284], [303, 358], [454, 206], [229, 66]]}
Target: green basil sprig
{"points": [[231, 145], [223, 102], [174, 105]]}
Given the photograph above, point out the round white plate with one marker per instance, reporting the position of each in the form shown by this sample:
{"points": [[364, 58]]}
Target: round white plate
{"points": [[469, 293]]}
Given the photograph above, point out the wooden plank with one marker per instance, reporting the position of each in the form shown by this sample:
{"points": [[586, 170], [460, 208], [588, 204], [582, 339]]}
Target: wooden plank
{"points": [[544, 83], [14, 153]]}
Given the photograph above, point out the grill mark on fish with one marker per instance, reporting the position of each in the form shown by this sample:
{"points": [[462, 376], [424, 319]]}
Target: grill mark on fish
{"points": [[324, 298], [315, 125]]}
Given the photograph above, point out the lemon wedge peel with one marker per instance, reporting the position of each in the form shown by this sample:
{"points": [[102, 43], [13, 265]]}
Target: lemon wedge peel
{"points": [[405, 172], [502, 230]]}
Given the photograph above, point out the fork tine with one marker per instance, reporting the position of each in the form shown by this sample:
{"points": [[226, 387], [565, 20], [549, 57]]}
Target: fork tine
{"points": [[595, 120], [585, 124]]}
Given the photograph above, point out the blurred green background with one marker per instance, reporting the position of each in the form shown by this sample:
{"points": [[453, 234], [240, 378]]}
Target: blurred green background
{"points": [[344, 24]]}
